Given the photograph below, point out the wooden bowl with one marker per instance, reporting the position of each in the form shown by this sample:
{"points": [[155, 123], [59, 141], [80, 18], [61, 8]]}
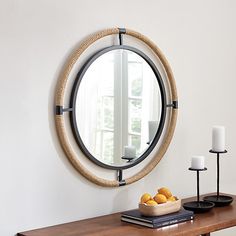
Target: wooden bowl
{"points": [[160, 209]]}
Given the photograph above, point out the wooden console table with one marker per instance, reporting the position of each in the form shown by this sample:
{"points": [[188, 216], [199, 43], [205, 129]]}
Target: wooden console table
{"points": [[203, 224]]}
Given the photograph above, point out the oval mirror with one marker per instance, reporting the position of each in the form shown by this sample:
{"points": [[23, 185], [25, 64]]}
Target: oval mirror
{"points": [[118, 100], [120, 107]]}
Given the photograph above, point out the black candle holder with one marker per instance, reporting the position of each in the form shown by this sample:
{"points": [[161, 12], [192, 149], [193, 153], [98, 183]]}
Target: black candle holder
{"points": [[129, 159], [219, 200], [198, 206]]}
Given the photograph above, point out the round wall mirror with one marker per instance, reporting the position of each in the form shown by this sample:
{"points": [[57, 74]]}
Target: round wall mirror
{"points": [[117, 107]]}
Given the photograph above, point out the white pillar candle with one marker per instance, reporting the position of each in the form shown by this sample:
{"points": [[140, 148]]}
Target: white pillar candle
{"points": [[198, 162], [152, 129], [218, 138], [130, 151]]}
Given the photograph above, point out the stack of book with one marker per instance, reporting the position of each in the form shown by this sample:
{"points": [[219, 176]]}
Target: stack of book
{"points": [[135, 217]]}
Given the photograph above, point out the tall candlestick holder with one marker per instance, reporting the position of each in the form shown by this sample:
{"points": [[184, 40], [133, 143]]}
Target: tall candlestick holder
{"points": [[198, 206], [218, 199]]}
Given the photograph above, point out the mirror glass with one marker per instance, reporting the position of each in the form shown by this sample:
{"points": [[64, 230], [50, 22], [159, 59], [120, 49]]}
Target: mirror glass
{"points": [[118, 107]]}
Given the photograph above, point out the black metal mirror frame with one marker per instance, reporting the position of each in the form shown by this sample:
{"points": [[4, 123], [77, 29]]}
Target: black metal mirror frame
{"points": [[73, 97]]}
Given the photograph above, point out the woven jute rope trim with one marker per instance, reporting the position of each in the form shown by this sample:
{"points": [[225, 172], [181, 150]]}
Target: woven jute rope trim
{"points": [[60, 121]]}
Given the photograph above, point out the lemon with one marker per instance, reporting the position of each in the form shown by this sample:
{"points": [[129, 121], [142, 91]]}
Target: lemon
{"points": [[165, 191], [160, 198], [171, 199], [151, 203], [145, 197]]}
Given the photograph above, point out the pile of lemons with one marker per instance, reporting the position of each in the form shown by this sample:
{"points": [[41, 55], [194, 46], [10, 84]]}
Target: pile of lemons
{"points": [[163, 195]]}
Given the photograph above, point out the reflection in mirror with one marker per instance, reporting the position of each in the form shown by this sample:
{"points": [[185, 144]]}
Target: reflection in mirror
{"points": [[118, 107]]}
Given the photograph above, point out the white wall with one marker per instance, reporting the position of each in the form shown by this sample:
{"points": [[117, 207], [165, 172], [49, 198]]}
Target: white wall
{"points": [[38, 186]]}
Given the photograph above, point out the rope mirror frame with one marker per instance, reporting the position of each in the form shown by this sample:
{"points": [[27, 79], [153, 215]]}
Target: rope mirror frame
{"points": [[60, 120]]}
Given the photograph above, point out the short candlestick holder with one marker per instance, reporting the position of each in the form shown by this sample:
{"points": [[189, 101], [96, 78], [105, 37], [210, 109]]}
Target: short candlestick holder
{"points": [[218, 199], [129, 159], [198, 206]]}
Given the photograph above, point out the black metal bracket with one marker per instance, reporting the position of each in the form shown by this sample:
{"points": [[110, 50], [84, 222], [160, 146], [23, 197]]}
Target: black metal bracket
{"points": [[60, 110], [119, 175], [121, 32], [174, 104], [120, 178], [122, 183]]}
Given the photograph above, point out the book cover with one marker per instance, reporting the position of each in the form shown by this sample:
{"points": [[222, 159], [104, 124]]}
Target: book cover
{"points": [[134, 216]]}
